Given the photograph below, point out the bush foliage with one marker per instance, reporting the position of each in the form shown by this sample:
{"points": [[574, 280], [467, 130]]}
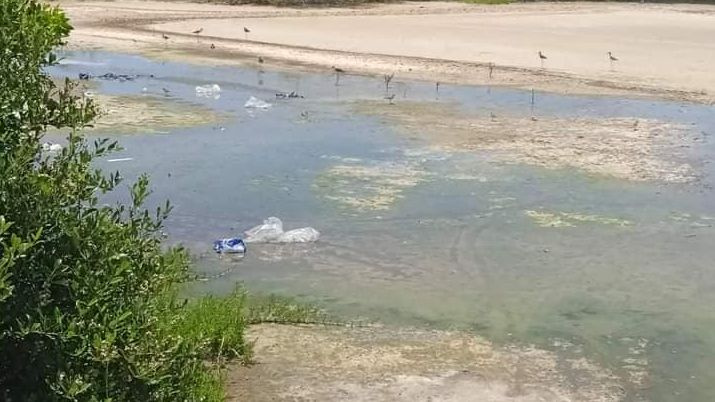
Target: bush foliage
{"points": [[87, 305]]}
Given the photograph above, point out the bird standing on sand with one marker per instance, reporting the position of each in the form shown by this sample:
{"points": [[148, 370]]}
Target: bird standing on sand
{"points": [[213, 46], [390, 98], [612, 58], [246, 31], [260, 60], [197, 32], [542, 57]]}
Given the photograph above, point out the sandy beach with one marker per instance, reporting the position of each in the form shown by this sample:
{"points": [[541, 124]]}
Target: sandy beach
{"points": [[663, 51]]}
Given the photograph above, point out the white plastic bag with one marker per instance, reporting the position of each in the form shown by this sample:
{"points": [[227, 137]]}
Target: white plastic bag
{"points": [[302, 235], [209, 91], [255, 103], [50, 147], [269, 231]]}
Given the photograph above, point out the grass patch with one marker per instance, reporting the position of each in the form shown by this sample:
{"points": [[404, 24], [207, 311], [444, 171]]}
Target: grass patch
{"points": [[216, 326], [218, 323]]}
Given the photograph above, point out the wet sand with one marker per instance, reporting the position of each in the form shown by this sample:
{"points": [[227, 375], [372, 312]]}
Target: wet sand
{"points": [[623, 148], [380, 364], [664, 50]]}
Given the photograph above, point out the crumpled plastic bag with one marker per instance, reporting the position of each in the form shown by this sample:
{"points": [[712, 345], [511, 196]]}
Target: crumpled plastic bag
{"points": [[271, 231], [50, 147], [209, 91], [255, 103], [302, 235]]}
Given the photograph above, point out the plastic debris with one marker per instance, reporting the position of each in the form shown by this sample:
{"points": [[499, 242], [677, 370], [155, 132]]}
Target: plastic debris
{"points": [[271, 231], [113, 76], [120, 159], [50, 147], [291, 95], [255, 103], [232, 245], [302, 235], [208, 91]]}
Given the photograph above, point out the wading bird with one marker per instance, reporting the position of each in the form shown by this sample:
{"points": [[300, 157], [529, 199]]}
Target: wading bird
{"points": [[246, 31], [260, 60], [165, 36], [542, 57], [612, 58], [338, 71], [390, 98], [197, 32]]}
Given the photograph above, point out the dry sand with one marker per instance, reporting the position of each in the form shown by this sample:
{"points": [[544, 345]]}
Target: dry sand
{"points": [[664, 50], [309, 363]]}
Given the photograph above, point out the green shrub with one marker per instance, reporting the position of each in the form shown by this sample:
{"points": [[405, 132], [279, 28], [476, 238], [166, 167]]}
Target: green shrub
{"points": [[86, 305]]}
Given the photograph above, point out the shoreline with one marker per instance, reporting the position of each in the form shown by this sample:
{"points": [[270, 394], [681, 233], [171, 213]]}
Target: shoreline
{"points": [[138, 28]]}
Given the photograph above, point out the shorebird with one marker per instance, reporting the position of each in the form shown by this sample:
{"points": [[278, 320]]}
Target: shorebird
{"points": [[165, 36], [260, 60], [542, 57], [246, 31], [213, 46], [390, 98], [197, 32], [612, 58], [491, 70], [338, 71]]}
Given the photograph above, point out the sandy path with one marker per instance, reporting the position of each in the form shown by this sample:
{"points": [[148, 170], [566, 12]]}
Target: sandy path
{"points": [[665, 51]]}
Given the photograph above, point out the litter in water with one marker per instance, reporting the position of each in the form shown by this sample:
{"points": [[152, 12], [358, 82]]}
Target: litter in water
{"points": [[232, 245], [271, 231], [208, 91], [302, 235], [255, 103], [113, 77], [120, 160], [291, 95], [50, 147]]}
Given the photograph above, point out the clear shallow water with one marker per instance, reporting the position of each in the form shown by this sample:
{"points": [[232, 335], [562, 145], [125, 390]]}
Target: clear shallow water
{"points": [[457, 249]]}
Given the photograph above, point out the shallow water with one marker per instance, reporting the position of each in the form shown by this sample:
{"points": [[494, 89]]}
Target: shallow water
{"points": [[415, 236]]}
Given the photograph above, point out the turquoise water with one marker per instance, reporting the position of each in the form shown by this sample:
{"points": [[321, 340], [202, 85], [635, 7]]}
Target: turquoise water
{"points": [[454, 247]]}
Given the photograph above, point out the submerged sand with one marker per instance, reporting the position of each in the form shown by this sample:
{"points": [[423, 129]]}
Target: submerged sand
{"points": [[133, 114], [380, 364], [623, 148]]}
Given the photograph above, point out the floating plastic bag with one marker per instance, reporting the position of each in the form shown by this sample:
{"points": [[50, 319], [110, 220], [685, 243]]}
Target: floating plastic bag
{"points": [[50, 147], [271, 231], [231, 245], [209, 91], [255, 103], [302, 235]]}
